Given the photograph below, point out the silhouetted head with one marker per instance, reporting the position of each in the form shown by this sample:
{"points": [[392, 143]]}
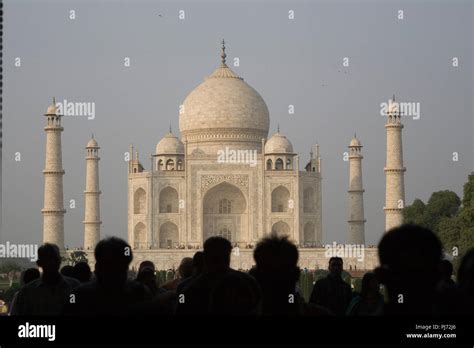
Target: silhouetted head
{"points": [[82, 272], [113, 256], [446, 269], [370, 284], [466, 273], [198, 263], [146, 273], [185, 268], [336, 265], [49, 258], [67, 271], [146, 265], [276, 261], [217, 254], [409, 265], [29, 275]]}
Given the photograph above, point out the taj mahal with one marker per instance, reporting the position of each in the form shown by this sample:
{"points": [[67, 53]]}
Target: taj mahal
{"points": [[225, 175]]}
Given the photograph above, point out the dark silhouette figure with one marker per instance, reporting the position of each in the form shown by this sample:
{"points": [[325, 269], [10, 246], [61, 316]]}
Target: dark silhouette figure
{"points": [[82, 272], [466, 282], [29, 275], [410, 257], [147, 276], [277, 273], [46, 295], [185, 270], [110, 293], [370, 301], [332, 292], [206, 294], [197, 270], [67, 271]]}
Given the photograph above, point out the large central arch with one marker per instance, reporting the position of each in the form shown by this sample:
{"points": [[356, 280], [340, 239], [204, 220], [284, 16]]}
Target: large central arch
{"points": [[225, 213]]}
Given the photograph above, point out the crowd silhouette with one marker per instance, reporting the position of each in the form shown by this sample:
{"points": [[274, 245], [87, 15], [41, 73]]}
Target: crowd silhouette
{"points": [[416, 281]]}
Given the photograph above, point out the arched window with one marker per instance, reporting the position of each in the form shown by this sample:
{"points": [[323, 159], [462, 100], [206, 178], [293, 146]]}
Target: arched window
{"points": [[180, 165], [169, 202], [169, 164], [139, 201], [160, 165], [269, 164], [225, 233], [279, 164], [280, 199], [288, 164], [225, 206]]}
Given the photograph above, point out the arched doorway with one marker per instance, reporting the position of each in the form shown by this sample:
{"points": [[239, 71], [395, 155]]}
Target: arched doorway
{"points": [[224, 212], [168, 235], [281, 228]]}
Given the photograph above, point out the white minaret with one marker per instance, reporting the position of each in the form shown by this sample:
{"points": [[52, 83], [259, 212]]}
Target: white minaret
{"points": [[356, 194], [53, 211], [394, 170], [91, 197]]}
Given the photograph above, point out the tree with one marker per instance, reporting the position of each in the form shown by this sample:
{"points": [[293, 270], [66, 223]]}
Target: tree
{"points": [[414, 213], [441, 204], [75, 257]]}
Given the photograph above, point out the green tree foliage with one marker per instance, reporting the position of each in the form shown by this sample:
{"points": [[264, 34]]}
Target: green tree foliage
{"points": [[76, 257], [449, 217]]}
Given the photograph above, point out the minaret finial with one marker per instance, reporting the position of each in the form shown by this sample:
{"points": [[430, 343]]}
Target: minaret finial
{"points": [[393, 98], [171, 131], [223, 55], [278, 129], [92, 135], [54, 101], [355, 135]]}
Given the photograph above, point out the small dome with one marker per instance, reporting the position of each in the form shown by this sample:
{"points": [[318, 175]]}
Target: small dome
{"points": [[170, 145], [92, 144], [52, 110], [278, 143], [355, 142]]}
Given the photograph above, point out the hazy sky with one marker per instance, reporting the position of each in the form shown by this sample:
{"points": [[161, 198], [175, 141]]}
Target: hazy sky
{"points": [[296, 62]]}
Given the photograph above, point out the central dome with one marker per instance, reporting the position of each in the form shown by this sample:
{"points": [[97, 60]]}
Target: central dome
{"points": [[224, 110]]}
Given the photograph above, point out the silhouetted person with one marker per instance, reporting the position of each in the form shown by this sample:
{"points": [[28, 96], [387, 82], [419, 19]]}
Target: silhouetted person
{"points": [[466, 282], [370, 301], [410, 257], [46, 295], [185, 270], [332, 292], [147, 276], [110, 293], [82, 272], [277, 273], [197, 270], [67, 271], [27, 277], [196, 297]]}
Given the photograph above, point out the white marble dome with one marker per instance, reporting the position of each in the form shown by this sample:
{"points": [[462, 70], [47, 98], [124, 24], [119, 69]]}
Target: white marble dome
{"points": [[224, 109], [169, 145], [355, 142], [278, 144], [92, 144]]}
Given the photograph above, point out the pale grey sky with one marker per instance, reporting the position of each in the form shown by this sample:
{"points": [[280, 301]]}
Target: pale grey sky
{"points": [[295, 62]]}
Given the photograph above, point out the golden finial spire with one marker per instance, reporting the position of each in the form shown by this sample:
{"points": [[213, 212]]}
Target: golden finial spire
{"points": [[54, 101], [223, 55], [278, 128]]}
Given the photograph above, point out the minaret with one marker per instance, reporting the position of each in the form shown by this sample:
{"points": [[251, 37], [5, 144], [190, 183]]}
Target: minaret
{"points": [[91, 197], [356, 194], [53, 211], [394, 170]]}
